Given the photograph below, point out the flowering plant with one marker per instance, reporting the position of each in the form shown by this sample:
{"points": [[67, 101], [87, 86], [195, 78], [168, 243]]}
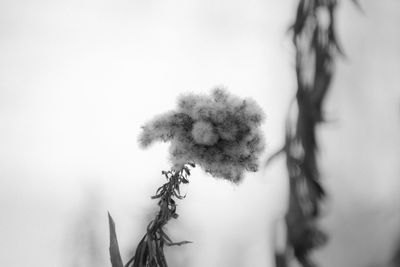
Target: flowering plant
{"points": [[220, 133]]}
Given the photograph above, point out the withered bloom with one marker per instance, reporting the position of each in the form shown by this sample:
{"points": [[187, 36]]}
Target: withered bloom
{"points": [[219, 132]]}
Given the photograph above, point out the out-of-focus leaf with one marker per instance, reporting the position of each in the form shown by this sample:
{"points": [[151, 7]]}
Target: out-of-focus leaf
{"points": [[358, 5], [115, 256], [280, 260], [316, 47], [179, 243]]}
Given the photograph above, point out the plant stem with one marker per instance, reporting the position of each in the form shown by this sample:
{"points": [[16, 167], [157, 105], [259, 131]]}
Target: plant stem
{"points": [[150, 250]]}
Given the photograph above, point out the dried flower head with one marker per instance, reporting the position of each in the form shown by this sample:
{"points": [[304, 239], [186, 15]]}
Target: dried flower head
{"points": [[219, 132]]}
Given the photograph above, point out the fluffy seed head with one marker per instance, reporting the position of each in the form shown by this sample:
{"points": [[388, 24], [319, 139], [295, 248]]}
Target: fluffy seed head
{"points": [[220, 132]]}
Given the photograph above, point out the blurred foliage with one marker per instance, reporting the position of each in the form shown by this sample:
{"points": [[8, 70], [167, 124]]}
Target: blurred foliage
{"points": [[316, 46], [395, 261]]}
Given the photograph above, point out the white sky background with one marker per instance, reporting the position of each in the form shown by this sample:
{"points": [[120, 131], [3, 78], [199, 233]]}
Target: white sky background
{"points": [[79, 78], [360, 150]]}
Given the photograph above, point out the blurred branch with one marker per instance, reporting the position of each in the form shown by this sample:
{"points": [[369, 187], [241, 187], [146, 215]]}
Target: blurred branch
{"points": [[316, 46]]}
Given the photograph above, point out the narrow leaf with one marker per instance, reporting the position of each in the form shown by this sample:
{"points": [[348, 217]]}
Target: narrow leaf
{"points": [[179, 243], [115, 256]]}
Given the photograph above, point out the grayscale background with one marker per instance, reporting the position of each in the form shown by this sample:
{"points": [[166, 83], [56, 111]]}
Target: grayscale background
{"points": [[79, 78]]}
